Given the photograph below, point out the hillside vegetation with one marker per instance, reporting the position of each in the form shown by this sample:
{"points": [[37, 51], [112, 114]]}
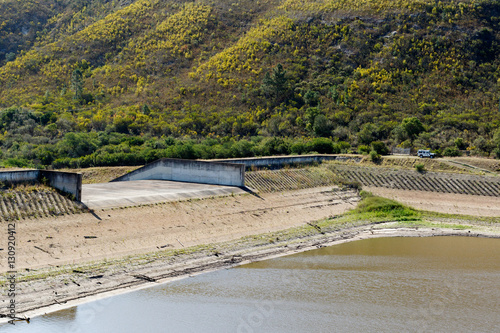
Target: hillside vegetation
{"points": [[89, 83]]}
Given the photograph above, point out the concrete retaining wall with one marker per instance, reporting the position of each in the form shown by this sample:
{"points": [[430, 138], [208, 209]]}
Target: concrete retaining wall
{"points": [[66, 182], [21, 176], [190, 171], [280, 161]]}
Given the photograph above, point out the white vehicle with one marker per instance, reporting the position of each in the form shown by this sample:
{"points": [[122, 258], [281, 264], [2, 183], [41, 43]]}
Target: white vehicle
{"points": [[425, 153]]}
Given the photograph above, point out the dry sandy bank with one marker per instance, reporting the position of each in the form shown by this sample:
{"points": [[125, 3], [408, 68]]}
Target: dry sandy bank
{"points": [[449, 203], [45, 245], [73, 239], [70, 289]]}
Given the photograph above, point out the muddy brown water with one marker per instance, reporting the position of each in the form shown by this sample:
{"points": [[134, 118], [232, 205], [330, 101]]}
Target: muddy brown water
{"points": [[434, 284]]}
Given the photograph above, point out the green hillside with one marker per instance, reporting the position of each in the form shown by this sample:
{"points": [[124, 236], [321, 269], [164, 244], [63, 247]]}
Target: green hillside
{"points": [[86, 83]]}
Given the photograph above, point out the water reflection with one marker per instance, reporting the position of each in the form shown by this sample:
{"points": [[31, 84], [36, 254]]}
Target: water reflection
{"points": [[67, 315]]}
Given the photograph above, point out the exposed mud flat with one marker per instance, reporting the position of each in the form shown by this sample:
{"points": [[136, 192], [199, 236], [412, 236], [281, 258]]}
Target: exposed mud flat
{"points": [[111, 278]]}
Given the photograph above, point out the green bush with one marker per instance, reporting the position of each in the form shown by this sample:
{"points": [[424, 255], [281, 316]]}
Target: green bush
{"points": [[242, 148], [322, 146], [341, 147], [496, 152], [17, 163], [380, 147], [276, 146], [460, 143], [451, 152], [420, 167], [364, 149], [412, 127], [374, 156], [438, 152], [298, 148]]}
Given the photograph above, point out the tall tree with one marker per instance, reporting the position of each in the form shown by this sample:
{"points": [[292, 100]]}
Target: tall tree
{"points": [[413, 127], [276, 84], [77, 84]]}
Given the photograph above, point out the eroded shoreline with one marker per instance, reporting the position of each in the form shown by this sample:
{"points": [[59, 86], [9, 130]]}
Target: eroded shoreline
{"points": [[121, 279], [216, 233]]}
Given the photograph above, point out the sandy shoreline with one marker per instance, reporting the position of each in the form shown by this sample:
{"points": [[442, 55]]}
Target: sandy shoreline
{"points": [[179, 239], [199, 264]]}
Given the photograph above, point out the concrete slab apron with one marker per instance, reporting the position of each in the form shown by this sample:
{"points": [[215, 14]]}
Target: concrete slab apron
{"points": [[139, 192]]}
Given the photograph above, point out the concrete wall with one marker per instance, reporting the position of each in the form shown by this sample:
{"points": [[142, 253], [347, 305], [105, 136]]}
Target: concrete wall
{"points": [[66, 182], [21, 176], [190, 171], [280, 161]]}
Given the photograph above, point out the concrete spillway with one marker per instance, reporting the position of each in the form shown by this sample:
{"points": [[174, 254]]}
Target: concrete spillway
{"points": [[140, 192]]}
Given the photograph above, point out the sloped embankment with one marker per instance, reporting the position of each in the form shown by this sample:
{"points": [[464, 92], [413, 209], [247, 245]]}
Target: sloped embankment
{"points": [[21, 203], [410, 162], [267, 181], [426, 181]]}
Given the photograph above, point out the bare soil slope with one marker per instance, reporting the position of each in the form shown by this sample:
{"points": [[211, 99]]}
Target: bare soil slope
{"points": [[113, 233]]}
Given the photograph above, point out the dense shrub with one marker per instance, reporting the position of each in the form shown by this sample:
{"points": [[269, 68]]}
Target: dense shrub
{"points": [[420, 167], [364, 149], [159, 78], [17, 163], [374, 156], [496, 152], [298, 148], [322, 146], [451, 152], [380, 147]]}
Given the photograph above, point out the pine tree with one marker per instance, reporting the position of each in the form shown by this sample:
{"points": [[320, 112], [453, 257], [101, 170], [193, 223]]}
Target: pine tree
{"points": [[276, 84], [77, 84]]}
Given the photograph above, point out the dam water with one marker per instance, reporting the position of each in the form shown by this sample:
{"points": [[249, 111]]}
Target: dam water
{"points": [[438, 284]]}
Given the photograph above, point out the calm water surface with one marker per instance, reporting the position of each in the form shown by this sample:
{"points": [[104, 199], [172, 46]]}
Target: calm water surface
{"points": [[438, 284]]}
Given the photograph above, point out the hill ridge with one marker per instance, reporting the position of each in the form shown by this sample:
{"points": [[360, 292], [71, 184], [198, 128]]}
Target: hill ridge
{"points": [[256, 70]]}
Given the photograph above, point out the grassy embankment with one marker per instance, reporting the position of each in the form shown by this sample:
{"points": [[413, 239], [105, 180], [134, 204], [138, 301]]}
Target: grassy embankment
{"points": [[373, 210]]}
